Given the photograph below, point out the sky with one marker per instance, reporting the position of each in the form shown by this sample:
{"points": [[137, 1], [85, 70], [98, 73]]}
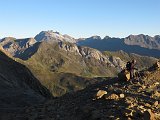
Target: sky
{"points": [[79, 18]]}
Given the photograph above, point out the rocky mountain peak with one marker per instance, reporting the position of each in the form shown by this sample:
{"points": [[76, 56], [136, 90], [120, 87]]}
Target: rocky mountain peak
{"points": [[53, 36], [16, 46], [96, 37], [157, 36], [7, 39], [143, 41], [106, 37]]}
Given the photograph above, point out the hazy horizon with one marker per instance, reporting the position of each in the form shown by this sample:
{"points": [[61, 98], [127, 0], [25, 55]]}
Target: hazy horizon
{"points": [[80, 18]]}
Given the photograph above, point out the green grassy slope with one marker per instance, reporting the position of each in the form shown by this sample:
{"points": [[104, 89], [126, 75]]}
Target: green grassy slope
{"points": [[64, 71]]}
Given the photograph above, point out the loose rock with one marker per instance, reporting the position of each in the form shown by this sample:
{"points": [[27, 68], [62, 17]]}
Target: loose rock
{"points": [[121, 95], [100, 94]]}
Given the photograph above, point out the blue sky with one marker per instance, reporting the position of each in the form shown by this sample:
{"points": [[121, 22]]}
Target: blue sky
{"points": [[79, 18]]}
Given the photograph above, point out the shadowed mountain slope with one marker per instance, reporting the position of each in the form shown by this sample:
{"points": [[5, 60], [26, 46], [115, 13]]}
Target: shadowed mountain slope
{"points": [[18, 86]]}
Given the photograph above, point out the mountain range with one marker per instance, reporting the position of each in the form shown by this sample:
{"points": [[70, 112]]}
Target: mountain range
{"points": [[139, 44], [53, 57], [51, 68]]}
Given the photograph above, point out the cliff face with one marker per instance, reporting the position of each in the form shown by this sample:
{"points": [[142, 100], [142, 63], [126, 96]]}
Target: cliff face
{"points": [[16, 46], [143, 41], [85, 52]]}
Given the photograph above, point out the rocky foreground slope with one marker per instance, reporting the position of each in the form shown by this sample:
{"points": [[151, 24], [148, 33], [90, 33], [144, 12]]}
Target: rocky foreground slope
{"points": [[108, 100]]}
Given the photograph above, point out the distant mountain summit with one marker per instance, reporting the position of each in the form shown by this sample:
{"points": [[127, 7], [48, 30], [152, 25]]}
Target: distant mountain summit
{"points": [[143, 41], [53, 36], [96, 37]]}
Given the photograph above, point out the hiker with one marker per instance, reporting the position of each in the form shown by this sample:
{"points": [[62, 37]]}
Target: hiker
{"points": [[131, 68]]}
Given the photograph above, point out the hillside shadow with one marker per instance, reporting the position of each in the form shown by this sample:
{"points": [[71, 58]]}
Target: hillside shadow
{"points": [[29, 52], [19, 84]]}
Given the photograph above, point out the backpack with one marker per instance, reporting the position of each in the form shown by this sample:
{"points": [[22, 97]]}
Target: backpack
{"points": [[128, 65]]}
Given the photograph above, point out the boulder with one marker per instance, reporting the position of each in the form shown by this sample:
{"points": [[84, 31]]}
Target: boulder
{"points": [[156, 103], [100, 94], [147, 105], [112, 97], [157, 94], [121, 95], [148, 115], [124, 75]]}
